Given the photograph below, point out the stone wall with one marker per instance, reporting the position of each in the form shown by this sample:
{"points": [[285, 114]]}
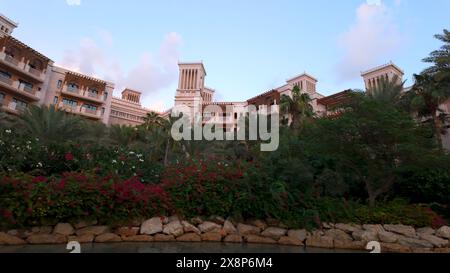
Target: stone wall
{"points": [[393, 238]]}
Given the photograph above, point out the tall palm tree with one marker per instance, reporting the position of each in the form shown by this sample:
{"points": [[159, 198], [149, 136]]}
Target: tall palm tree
{"points": [[52, 125], [124, 135], [389, 91], [440, 59], [153, 119], [7, 120], [432, 88], [298, 107], [427, 95]]}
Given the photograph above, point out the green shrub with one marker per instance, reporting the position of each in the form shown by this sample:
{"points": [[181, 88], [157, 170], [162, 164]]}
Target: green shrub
{"points": [[398, 211], [30, 201]]}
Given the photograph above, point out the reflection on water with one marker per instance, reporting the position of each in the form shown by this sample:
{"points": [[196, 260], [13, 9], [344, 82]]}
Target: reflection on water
{"points": [[158, 247]]}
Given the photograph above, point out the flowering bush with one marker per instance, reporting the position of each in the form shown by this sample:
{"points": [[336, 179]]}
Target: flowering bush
{"points": [[199, 187], [28, 155], [243, 190], [41, 201]]}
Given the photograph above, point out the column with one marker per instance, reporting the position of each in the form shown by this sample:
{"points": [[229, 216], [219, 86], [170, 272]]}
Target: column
{"points": [[182, 79], [190, 79], [195, 78], [179, 79]]}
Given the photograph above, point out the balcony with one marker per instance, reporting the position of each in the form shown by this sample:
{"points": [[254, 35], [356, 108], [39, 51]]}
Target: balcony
{"points": [[22, 67], [35, 71], [12, 107], [11, 60], [91, 113], [82, 94], [20, 88], [6, 80], [78, 110]]}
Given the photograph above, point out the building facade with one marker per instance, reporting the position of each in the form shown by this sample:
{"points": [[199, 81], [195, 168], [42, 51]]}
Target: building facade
{"points": [[24, 72], [28, 77], [79, 94], [128, 109]]}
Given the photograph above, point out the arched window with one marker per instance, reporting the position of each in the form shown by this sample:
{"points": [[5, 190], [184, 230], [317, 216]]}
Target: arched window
{"points": [[12, 51], [37, 64], [72, 87]]}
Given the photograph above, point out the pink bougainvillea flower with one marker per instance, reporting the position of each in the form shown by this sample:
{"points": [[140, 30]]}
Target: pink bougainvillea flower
{"points": [[69, 157], [7, 214], [39, 179]]}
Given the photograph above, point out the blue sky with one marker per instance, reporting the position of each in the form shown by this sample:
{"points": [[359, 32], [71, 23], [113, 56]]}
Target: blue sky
{"points": [[247, 46]]}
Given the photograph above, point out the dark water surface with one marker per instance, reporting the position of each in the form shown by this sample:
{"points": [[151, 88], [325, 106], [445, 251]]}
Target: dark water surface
{"points": [[175, 247]]}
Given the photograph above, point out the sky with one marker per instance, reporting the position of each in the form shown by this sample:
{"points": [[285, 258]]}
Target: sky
{"points": [[247, 46]]}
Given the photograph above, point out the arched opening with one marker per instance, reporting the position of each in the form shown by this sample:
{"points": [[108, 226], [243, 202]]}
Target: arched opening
{"points": [[13, 52], [37, 64]]}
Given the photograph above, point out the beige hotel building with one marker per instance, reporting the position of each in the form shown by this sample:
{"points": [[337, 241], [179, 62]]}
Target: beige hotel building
{"points": [[28, 77]]}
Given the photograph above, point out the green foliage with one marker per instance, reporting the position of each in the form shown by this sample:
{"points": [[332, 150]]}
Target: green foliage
{"points": [[298, 107], [397, 211], [30, 201], [426, 182], [366, 145], [371, 163], [51, 125]]}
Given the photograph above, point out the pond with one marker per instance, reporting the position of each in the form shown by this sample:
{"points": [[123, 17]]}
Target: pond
{"points": [[175, 247]]}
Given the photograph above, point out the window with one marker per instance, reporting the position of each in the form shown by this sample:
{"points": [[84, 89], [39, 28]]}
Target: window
{"points": [[68, 102], [26, 85], [2, 97], [36, 64], [90, 107], [72, 87], [55, 100], [92, 93], [20, 105], [5, 74], [105, 96], [59, 84], [103, 110]]}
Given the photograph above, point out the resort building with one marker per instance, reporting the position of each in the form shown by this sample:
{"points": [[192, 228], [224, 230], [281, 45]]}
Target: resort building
{"points": [[24, 72], [79, 94], [28, 77], [128, 109], [386, 72]]}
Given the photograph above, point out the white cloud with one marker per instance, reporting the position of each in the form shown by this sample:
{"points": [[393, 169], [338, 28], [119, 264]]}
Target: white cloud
{"points": [[152, 73], [73, 2], [371, 40]]}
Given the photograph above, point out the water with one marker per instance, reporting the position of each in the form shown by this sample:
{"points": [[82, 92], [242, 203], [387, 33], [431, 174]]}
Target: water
{"points": [[170, 247]]}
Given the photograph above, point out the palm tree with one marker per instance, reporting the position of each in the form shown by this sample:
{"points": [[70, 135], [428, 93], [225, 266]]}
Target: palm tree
{"points": [[440, 59], [298, 107], [427, 95], [389, 91], [153, 119], [51, 125], [97, 132], [7, 120], [124, 135], [432, 88]]}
